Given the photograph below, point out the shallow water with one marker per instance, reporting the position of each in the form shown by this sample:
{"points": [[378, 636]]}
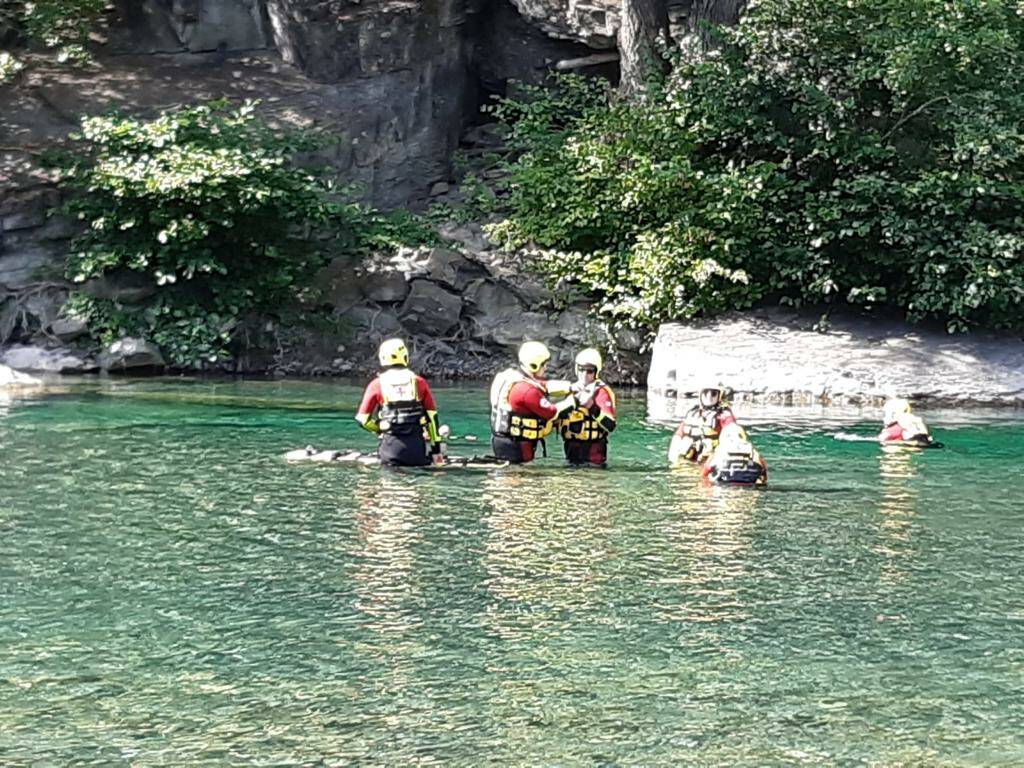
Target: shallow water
{"points": [[171, 593]]}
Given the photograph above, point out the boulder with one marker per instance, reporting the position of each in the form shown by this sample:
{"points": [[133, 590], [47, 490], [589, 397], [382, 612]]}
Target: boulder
{"points": [[66, 329], [9, 316], [337, 284], [627, 340], [441, 265], [130, 353], [470, 236], [384, 287], [124, 287], [373, 321], [780, 356], [21, 268], [10, 378], [430, 309], [574, 325], [58, 360], [490, 299]]}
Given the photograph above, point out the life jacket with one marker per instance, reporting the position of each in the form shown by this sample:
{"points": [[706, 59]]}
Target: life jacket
{"points": [[912, 426], [401, 413], [702, 423], [508, 423], [581, 426]]}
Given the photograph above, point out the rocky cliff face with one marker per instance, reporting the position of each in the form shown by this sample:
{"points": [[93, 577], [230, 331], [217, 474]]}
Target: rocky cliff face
{"points": [[396, 80]]}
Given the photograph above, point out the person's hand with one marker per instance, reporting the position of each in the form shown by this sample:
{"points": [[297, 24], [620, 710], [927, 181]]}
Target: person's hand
{"points": [[585, 395]]}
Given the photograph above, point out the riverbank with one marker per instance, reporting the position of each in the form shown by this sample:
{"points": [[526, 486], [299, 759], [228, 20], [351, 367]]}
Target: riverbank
{"points": [[776, 355]]}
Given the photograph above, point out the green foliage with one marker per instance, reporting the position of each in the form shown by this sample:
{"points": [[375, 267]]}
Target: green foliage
{"points": [[205, 203], [61, 25], [867, 151]]}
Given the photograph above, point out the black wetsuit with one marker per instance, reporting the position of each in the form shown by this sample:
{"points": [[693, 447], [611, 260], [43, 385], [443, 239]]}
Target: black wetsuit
{"points": [[408, 450]]}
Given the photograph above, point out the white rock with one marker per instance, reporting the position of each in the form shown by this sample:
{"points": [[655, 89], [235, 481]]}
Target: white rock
{"points": [[130, 353], [777, 357]]}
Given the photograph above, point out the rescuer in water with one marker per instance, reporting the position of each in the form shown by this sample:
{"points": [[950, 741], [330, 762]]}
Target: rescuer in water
{"points": [[522, 411], [697, 435], [399, 407], [585, 429]]}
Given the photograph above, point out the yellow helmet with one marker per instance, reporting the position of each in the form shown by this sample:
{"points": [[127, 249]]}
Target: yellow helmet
{"points": [[591, 357], [393, 352], [894, 406], [533, 356]]}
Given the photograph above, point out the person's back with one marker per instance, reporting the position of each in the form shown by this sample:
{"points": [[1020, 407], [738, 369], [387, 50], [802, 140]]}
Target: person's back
{"points": [[900, 425], [522, 414], [735, 460], [399, 407]]}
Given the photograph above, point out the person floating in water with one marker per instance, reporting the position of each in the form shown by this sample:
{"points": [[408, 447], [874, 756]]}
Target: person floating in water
{"points": [[399, 407], [697, 434], [522, 413], [900, 425], [585, 429], [734, 460]]}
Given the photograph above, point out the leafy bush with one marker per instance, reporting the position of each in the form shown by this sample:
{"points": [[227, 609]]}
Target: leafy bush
{"points": [[207, 205], [867, 151], [62, 25]]}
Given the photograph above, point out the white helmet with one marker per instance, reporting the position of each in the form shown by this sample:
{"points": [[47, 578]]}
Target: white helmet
{"points": [[895, 406], [714, 394], [533, 356], [590, 357], [393, 352]]}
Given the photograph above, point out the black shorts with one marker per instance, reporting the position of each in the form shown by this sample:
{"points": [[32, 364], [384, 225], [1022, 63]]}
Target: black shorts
{"points": [[403, 451], [593, 452], [513, 450]]}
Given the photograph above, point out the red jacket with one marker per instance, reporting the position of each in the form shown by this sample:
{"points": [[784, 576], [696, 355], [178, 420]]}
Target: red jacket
{"points": [[372, 399]]}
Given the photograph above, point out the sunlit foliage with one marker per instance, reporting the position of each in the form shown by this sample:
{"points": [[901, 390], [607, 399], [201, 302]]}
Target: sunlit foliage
{"points": [[207, 206], [867, 151]]}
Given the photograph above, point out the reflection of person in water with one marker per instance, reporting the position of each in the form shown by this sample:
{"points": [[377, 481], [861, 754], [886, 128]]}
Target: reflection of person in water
{"points": [[388, 531], [541, 557], [897, 507], [713, 533]]}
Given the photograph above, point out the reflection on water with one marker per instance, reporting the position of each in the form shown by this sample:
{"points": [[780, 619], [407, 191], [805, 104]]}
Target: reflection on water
{"points": [[549, 539], [898, 468], [711, 535], [389, 523], [173, 593]]}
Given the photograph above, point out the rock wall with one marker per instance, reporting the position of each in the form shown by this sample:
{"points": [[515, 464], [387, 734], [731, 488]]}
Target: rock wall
{"points": [[395, 80], [777, 356], [464, 310]]}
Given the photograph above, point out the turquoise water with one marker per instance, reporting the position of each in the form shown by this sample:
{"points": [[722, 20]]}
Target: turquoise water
{"points": [[172, 593]]}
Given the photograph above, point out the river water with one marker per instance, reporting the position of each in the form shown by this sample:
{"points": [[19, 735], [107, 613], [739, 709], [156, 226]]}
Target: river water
{"points": [[173, 593]]}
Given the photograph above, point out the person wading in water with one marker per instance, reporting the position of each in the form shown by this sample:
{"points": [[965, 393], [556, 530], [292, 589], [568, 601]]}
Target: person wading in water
{"points": [[585, 429], [399, 407], [522, 414]]}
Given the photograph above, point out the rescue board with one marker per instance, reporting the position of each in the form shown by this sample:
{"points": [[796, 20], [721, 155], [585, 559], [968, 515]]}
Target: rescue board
{"points": [[316, 456], [849, 437]]}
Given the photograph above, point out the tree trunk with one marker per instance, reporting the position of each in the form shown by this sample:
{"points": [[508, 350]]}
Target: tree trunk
{"points": [[713, 13], [642, 24]]}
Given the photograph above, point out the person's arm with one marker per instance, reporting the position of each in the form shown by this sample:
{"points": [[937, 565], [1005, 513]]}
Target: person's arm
{"points": [[892, 432], [367, 413], [604, 402], [725, 418], [430, 406]]}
